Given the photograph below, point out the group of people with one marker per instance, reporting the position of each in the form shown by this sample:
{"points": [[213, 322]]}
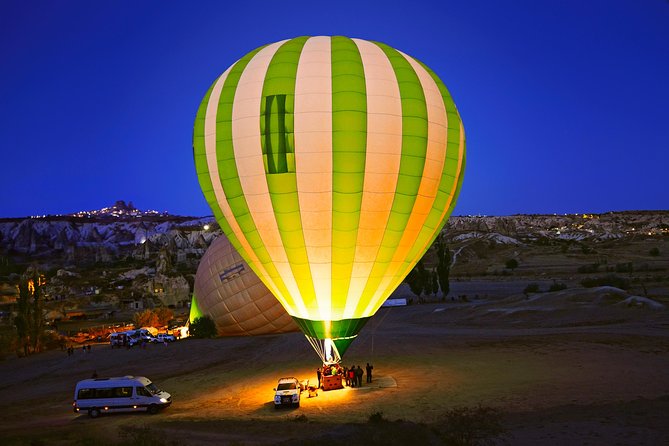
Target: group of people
{"points": [[352, 376], [86, 348]]}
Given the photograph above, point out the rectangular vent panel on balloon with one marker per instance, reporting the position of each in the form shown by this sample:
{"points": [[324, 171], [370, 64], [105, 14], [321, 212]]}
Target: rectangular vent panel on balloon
{"points": [[231, 273], [276, 128]]}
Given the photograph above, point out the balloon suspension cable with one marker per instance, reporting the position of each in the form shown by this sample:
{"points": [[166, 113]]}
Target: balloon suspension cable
{"points": [[326, 349]]}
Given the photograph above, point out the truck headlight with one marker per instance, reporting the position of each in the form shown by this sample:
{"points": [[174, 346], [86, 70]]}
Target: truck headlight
{"points": [[163, 400]]}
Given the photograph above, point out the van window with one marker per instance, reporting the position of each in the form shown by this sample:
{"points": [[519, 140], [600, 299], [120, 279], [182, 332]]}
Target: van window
{"points": [[141, 391], [122, 392], [104, 393], [86, 394], [110, 392]]}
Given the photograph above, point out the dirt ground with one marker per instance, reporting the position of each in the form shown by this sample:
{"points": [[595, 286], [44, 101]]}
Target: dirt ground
{"points": [[571, 368]]}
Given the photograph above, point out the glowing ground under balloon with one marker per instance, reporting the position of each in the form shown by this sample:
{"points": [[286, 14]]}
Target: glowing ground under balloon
{"points": [[331, 165]]}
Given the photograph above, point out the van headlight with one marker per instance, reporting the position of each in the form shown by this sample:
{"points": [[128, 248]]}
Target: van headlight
{"points": [[163, 400]]}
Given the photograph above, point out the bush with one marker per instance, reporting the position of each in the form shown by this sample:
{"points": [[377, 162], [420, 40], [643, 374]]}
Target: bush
{"points": [[588, 269], [531, 288], [144, 436], [511, 264], [468, 426], [608, 280], [376, 417], [626, 267], [203, 327], [654, 252], [557, 286]]}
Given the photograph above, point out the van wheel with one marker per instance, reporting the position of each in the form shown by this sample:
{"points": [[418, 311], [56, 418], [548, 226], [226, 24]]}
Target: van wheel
{"points": [[153, 409], [93, 413]]}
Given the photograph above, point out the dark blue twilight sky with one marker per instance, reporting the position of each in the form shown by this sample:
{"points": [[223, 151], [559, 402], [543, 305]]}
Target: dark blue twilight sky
{"points": [[565, 103]]}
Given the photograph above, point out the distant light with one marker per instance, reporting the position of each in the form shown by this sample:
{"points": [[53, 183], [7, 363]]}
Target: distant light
{"points": [[206, 227]]}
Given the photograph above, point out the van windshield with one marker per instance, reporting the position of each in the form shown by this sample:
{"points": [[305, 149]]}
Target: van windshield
{"points": [[286, 386], [153, 389]]}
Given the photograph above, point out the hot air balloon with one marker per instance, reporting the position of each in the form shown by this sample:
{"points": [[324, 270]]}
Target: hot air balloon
{"points": [[331, 164], [229, 292]]}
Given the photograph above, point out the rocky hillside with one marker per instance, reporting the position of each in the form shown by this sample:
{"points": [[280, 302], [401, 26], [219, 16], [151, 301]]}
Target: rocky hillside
{"points": [[121, 231], [130, 257], [577, 227], [108, 235]]}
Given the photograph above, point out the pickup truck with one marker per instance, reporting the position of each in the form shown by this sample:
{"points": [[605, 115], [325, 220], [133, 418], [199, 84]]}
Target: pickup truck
{"points": [[287, 392]]}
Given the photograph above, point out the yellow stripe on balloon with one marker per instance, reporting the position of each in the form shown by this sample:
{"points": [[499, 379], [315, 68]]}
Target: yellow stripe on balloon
{"points": [[435, 157], [382, 165], [313, 164], [251, 169]]}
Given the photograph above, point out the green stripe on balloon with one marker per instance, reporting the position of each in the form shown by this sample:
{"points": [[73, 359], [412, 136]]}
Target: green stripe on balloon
{"points": [[276, 127], [195, 311], [231, 184], [349, 143], [435, 222], [202, 168], [446, 185], [200, 157], [412, 162], [342, 332]]}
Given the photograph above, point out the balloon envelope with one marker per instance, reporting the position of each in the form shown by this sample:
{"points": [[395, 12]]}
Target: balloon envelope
{"points": [[331, 164], [229, 292]]}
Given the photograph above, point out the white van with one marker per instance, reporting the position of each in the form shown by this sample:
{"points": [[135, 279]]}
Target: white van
{"points": [[120, 340], [122, 394]]}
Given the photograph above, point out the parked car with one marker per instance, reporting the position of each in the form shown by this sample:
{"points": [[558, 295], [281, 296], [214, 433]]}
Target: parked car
{"points": [[287, 392], [165, 337]]}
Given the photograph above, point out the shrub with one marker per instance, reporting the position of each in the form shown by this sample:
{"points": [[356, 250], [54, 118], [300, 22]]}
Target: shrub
{"points": [[511, 264], [588, 269], [654, 252], [608, 280], [301, 418], [626, 267], [376, 417], [468, 426], [203, 327], [144, 436], [557, 286], [531, 288]]}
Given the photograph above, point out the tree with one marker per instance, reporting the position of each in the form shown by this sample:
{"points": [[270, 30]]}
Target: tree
{"points": [[146, 318], [29, 320], [417, 279], [443, 265], [164, 315], [512, 264], [434, 282], [203, 327]]}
